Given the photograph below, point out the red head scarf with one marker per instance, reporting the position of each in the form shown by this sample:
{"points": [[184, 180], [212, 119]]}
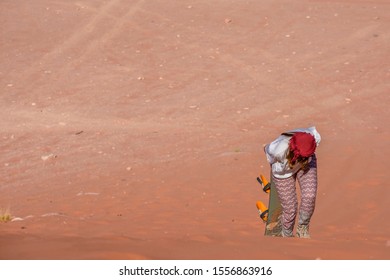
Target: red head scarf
{"points": [[302, 144]]}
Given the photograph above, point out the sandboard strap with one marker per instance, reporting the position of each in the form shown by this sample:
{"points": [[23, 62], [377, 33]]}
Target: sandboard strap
{"points": [[266, 186], [263, 215]]}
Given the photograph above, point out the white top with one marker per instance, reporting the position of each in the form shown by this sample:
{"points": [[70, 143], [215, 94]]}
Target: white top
{"points": [[276, 153]]}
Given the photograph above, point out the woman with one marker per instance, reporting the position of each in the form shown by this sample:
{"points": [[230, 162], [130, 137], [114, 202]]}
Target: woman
{"points": [[292, 157]]}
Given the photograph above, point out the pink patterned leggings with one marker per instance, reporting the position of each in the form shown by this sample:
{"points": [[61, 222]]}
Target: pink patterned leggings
{"points": [[288, 196]]}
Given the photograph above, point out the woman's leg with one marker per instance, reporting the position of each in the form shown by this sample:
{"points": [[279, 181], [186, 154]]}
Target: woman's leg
{"points": [[308, 183], [289, 202]]}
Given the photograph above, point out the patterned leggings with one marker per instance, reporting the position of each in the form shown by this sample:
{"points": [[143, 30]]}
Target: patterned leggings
{"points": [[288, 196]]}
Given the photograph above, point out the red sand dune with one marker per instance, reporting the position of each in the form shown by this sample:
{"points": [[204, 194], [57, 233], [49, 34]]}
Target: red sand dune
{"points": [[135, 129]]}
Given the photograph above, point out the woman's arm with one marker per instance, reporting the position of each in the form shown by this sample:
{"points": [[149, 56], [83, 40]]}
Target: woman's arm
{"points": [[276, 150]]}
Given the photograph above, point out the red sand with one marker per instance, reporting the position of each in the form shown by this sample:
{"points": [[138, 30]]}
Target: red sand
{"points": [[135, 129]]}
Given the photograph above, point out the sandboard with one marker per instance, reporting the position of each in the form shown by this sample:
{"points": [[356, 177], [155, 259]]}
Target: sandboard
{"points": [[272, 219]]}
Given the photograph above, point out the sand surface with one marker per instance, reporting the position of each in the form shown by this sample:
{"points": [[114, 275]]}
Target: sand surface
{"points": [[135, 129]]}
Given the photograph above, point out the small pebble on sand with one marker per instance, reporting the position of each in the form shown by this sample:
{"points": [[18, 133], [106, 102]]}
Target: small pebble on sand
{"points": [[47, 157]]}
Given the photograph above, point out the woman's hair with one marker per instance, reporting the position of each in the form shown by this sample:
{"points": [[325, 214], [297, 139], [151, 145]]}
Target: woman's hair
{"points": [[302, 160]]}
